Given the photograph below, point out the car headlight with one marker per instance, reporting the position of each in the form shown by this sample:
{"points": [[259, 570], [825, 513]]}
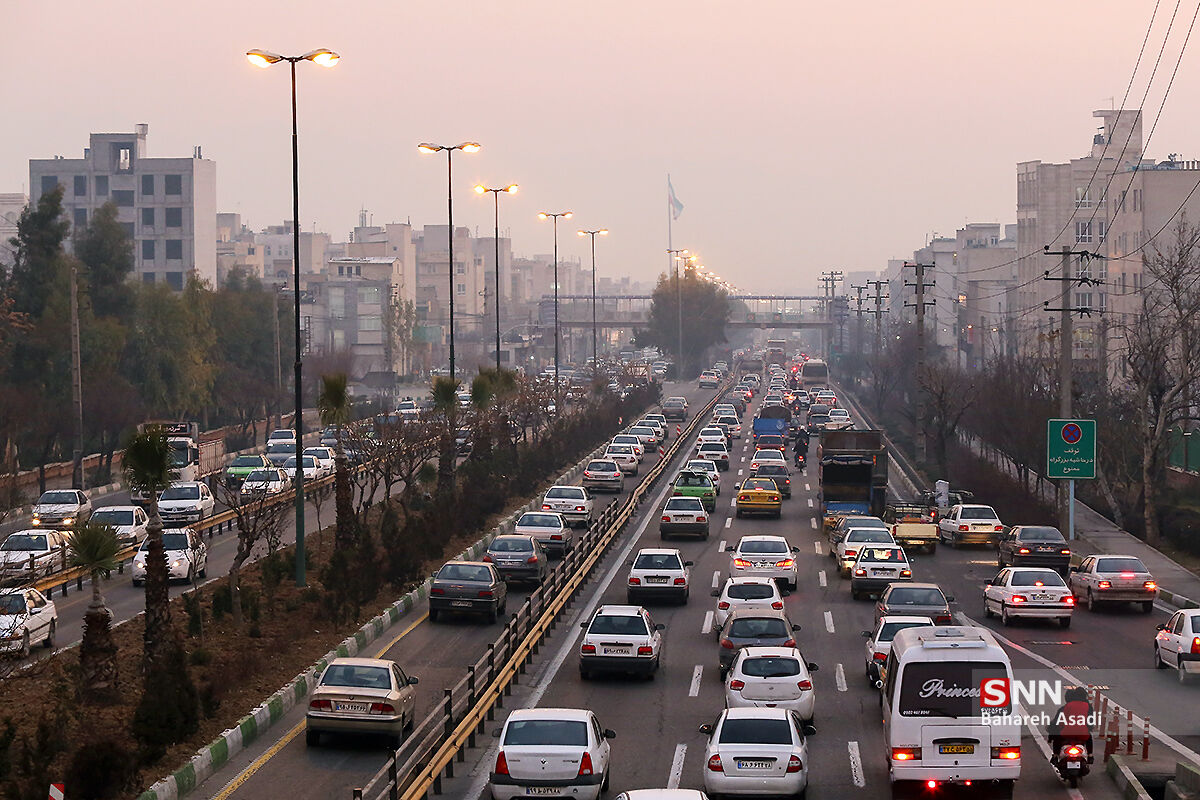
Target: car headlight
{"points": [[68, 520], [36, 520], [177, 562], [139, 563]]}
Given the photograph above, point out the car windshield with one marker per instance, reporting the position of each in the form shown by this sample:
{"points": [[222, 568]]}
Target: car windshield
{"points": [[357, 676], [465, 572], [565, 493], [763, 546], [657, 561], [916, 596], [946, 688], [890, 629], [694, 479], [540, 520], [977, 512], [190, 492], [764, 484], [58, 498], [247, 461], [557, 732], [1036, 579], [871, 535], [1040, 535], [511, 544], [704, 466], [171, 541], [625, 439], [619, 624], [1120, 565], [12, 604], [882, 555], [756, 731], [25, 541], [309, 463], [758, 628], [318, 452], [601, 466], [262, 475], [770, 667], [114, 518]]}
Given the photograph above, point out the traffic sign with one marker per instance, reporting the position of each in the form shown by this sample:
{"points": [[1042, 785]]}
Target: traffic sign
{"points": [[1071, 449]]}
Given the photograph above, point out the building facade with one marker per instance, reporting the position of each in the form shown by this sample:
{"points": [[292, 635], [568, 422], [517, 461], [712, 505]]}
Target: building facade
{"points": [[11, 206]]}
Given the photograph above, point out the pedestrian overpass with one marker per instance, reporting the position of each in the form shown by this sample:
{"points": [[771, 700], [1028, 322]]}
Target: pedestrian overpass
{"points": [[746, 311]]}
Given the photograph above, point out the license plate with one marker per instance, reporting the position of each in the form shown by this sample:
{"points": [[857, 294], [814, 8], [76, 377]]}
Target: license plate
{"points": [[1039, 596], [548, 790], [617, 651], [881, 573], [1073, 765], [956, 749], [764, 564], [656, 580], [754, 764], [358, 708], [461, 603]]}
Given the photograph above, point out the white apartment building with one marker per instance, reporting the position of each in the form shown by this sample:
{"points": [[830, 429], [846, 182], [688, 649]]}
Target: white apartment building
{"points": [[11, 206]]}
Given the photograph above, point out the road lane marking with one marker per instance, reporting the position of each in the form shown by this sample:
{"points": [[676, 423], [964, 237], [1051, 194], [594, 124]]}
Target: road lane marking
{"points": [[741, 472], [716, 579], [732, 502], [808, 487], [839, 678], [856, 768], [721, 545], [829, 621], [706, 628], [728, 522], [810, 502], [817, 547], [694, 689], [821, 574], [677, 767], [813, 522]]}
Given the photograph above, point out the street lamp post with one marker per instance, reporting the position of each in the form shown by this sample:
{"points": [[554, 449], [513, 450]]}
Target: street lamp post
{"points": [[481, 189], [595, 337], [555, 216], [676, 256], [325, 58], [466, 147]]}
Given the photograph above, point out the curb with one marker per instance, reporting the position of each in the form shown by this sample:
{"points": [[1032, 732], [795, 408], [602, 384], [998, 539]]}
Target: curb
{"points": [[1127, 783]]}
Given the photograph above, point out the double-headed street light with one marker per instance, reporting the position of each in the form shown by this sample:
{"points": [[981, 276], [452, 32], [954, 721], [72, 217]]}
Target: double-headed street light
{"points": [[595, 353], [554, 216], [481, 189], [466, 147], [325, 58]]}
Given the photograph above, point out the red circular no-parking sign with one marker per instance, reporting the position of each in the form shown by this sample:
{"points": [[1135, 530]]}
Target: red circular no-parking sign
{"points": [[1071, 433]]}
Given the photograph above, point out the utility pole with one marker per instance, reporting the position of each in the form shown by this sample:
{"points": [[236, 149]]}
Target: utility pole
{"points": [[828, 279], [858, 334], [76, 381], [278, 368], [920, 302], [879, 311]]}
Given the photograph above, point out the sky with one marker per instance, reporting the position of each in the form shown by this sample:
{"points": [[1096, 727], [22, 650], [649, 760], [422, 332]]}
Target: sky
{"points": [[799, 136]]}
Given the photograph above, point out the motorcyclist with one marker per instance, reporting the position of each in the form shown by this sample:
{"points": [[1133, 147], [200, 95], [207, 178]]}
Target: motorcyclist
{"points": [[1071, 723], [801, 447]]}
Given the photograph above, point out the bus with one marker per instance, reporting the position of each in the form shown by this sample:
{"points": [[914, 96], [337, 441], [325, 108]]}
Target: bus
{"points": [[814, 372]]}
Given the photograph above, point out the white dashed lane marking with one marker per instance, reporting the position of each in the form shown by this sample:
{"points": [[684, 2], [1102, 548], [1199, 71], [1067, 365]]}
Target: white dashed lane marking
{"points": [[817, 547], [813, 522], [839, 678], [810, 502], [721, 546], [808, 487], [694, 689], [677, 767], [821, 574], [728, 522], [856, 768], [706, 628], [716, 579], [829, 621]]}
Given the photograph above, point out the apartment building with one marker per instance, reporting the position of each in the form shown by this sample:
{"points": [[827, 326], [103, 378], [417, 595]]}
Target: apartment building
{"points": [[11, 206]]}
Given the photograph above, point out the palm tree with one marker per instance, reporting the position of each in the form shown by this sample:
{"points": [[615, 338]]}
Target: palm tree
{"points": [[94, 547], [445, 401], [483, 392], [333, 404], [148, 468]]}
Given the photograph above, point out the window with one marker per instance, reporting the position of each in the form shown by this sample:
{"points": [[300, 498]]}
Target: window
{"points": [[124, 157], [1083, 232], [123, 198], [1083, 197], [148, 217], [372, 322], [339, 339], [174, 184], [174, 249], [147, 277], [459, 268], [81, 185], [368, 295], [48, 183], [175, 280], [147, 186], [337, 302], [81, 218], [102, 186], [147, 249], [1101, 229], [128, 228], [174, 217]]}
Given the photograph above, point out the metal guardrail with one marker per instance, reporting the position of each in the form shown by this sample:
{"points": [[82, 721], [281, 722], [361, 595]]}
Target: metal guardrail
{"points": [[431, 749]]}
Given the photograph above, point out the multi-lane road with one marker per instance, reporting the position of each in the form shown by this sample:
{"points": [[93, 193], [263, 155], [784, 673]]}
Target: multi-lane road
{"points": [[658, 744]]}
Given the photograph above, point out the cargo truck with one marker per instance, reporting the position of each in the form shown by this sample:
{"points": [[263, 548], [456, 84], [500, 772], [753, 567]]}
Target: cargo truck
{"points": [[853, 469], [193, 456], [772, 420]]}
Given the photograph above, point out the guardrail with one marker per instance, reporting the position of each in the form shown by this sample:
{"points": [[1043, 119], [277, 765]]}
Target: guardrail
{"points": [[431, 749]]}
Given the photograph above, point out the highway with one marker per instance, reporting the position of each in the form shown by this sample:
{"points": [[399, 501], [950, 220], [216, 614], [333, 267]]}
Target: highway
{"points": [[658, 744]]}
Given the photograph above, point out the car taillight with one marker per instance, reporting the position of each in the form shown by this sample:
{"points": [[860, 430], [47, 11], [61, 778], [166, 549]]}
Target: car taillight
{"points": [[999, 527], [851, 554], [860, 572], [1069, 600], [728, 645], [906, 573], [676, 493], [787, 481], [556, 537], [786, 563], [680, 581], [964, 527], [804, 685], [879, 656], [1006, 753], [634, 581], [484, 594], [645, 650], [1066, 551], [1196, 644], [531, 560], [579, 508], [487, 559], [714, 764], [906, 754], [741, 563], [794, 764], [742, 497], [774, 498], [1017, 599], [666, 519], [545, 506], [701, 519], [777, 605], [1024, 551], [1104, 585], [737, 685], [501, 764], [942, 619], [585, 764], [321, 705], [1150, 585], [437, 590], [382, 708], [588, 648], [789, 643]]}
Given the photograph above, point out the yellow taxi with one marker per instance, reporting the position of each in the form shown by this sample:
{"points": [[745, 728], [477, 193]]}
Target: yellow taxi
{"points": [[759, 496]]}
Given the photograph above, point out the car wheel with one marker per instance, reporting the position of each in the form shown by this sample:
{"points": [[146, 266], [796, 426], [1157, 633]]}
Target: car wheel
{"points": [[855, 594], [408, 724], [1158, 661], [394, 741], [48, 643], [1148, 607], [1004, 617], [987, 610], [584, 674], [433, 615], [1182, 672], [738, 513], [312, 738], [1064, 622], [604, 784], [25, 645], [1092, 605]]}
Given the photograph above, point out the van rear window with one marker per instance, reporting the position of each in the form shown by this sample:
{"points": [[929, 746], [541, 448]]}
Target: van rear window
{"points": [[946, 688]]}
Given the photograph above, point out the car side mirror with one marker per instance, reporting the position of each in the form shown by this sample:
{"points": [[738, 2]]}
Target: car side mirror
{"points": [[609, 733], [715, 593], [413, 680], [809, 730], [865, 634], [36, 610], [729, 548], [689, 563], [1161, 627], [949, 598], [785, 592], [812, 667], [878, 684], [583, 626], [658, 626], [795, 627], [496, 733], [706, 729], [1072, 568]]}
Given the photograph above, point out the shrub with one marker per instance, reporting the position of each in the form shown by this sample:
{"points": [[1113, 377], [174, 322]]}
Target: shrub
{"points": [[168, 711], [199, 657], [99, 769]]}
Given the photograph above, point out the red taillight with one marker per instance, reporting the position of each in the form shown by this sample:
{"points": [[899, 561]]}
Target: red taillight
{"points": [[484, 594], [723, 605], [999, 527], [488, 559], [634, 581], [1006, 753], [851, 554], [860, 572], [701, 519], [906, 573], [964, 527], [645, 650], [728, 645], [786, 563], [787, 480], [1104, 585], [777, 605], [585, 764], [579, 508], [906, 754], [666, 519], [737, 685], [942, 619], [879, 656], [1074, 751], [794, 764], [676, 493], [501, 764], [931, 784], [1017, 599], [437, 590], [321, 705], [680, 581], [741, 563], [1066, 551], [774, 498], [1069, 599], [1150, 585], [556, 537], [1024, 551], [714, 764], [743, 497], [588, 648], [382, 708], [545, 506], [1196, 644], [789, 643]]}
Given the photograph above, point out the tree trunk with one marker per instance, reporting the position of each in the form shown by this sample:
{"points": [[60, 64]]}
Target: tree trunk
{"points": [[1150, 494], [235, 592], [98, 652], [1109, 497], [156, 639]]}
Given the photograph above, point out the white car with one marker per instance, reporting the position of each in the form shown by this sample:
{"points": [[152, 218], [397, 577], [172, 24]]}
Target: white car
{"points": [[1028, 592], [715, 452], [639, 447], [764, 557], [1177, 643], [625, 457], [326, 456], [771, 677], [709, 468], [573, 502], [661, 421], [877, 567], [756, 751], [311, 467], [658, 573], [970, 524], [128, 522], [184, 502], [838, 422], [708, 379], [711, 434], [282, 435], [730, 424], [683, 516], [879, 641], [620, 639], [265, 483], [61, 508], [563, 751], [26, 617], [662, 794], [648, 436], [31, 553], [752, 594], [847, 548], [548, 528], [187, 556], [767, 456]]}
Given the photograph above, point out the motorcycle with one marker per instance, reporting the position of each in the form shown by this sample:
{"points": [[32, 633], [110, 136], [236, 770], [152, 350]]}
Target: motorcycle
{"points": [[801, 460], [1071, 763]]}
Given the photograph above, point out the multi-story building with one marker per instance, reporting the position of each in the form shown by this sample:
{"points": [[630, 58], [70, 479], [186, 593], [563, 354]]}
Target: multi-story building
{"points": [[352, 307], [168, 206], [11, 206]]}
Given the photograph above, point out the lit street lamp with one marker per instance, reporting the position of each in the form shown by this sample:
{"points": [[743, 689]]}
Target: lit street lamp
{"points": [[466, 147], [325, 58], [547, 215], [595, 338], [481, 189]]}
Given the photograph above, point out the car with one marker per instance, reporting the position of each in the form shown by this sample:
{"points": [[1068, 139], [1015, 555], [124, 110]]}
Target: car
{"points": [[816, 423], [770, 441], [877, 567], [879, 640], [846, 552], [128, 522], [187, 556], [471, 587], [657, 573], [837, 526], [574, 503], [362, 696], [646, 435], [1113, 578], [549, 528], [34, 552], [771, 677], [715, 452], [779, 473], [675, 408], [1033, 546], [408, 410], [243, 465], [329, 436], [758, 594], [1177, 643], [1028, 592], [279, 452], [711, 434], [970, 524], [764, 557], [624, 455], [708, 468], [827, 397], [750, 628], [758, 496], [838, 421], [915, 599], [620, 639], [561, 752], [772, 456], [708, 380], [694, 483], [756, 751], [185, 501], [26, 617], [61, 508], [661, 421], [282, 435], [639, 446], [662, 794], [265, 483], [683, 516], [518, 557], [604, 473], [733, 428], [326, 456]]}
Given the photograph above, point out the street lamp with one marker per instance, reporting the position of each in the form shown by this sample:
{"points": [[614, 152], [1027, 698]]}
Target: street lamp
{"points": [[677, 255], [466, 147], [595, 338], [481, 189], [554, 216], [325, 58]]}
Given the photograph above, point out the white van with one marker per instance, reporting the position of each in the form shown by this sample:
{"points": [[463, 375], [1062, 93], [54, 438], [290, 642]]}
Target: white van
{"points": [[934, 726]]}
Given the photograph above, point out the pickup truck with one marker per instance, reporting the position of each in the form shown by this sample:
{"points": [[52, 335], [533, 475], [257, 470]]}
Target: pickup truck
{"points": [[912, 525]]}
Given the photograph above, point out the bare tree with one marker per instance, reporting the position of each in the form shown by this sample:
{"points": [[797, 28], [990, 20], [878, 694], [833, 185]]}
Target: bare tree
{"points": [[258, 519], [949, 394]]}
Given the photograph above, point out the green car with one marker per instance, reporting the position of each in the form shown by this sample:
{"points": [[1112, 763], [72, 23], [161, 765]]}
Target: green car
{"points": [[693, 483], [242, 466]]}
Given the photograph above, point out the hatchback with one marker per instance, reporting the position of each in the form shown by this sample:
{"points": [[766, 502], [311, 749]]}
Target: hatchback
{"points": [[756, 751], [620, 639], [690, 483], [658, 573], [709, 469], [639, 447], [771, 677]]}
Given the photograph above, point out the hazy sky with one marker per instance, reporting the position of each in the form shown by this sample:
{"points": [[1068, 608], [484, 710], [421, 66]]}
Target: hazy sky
{"points": [[800, 136]]}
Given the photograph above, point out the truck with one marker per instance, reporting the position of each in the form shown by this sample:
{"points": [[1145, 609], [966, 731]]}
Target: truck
{"points": [[193, 455], [853, 470], [772, 419], [912, 525]]}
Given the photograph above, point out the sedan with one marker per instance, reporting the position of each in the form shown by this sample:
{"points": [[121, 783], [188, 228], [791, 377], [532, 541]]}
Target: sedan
{"points": [[549, 529], [765, 557], [561, 752], [756, 594], [518, 558], [675, 408], [778, 473], [1177, 643], [1033, 546], [31, 553], [648, 436], [877, 566], [184, 502], [715, 452], [683, 516], [573, 502], [770, 441], [847, 549], [128, 522], [61, 508], [915, 599], [879, 641], [639, 447], [771, 677], [658, 573], [1102, 579], [746, 628], [361, 695], [620, 639], [187, 556], [756, 751], [26, 617], [467, 586], [711, 434], [326, 456], [279, 452], [242, 466], [709, 469], [1030, 592], [970, 524], [625, 457], [265, 483], [837, 526], [769, 456], [604, 474], [759, 496], [696, 484]]}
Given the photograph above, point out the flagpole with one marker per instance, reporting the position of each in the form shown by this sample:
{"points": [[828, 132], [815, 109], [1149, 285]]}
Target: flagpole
{"points": [[670, 216]]}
